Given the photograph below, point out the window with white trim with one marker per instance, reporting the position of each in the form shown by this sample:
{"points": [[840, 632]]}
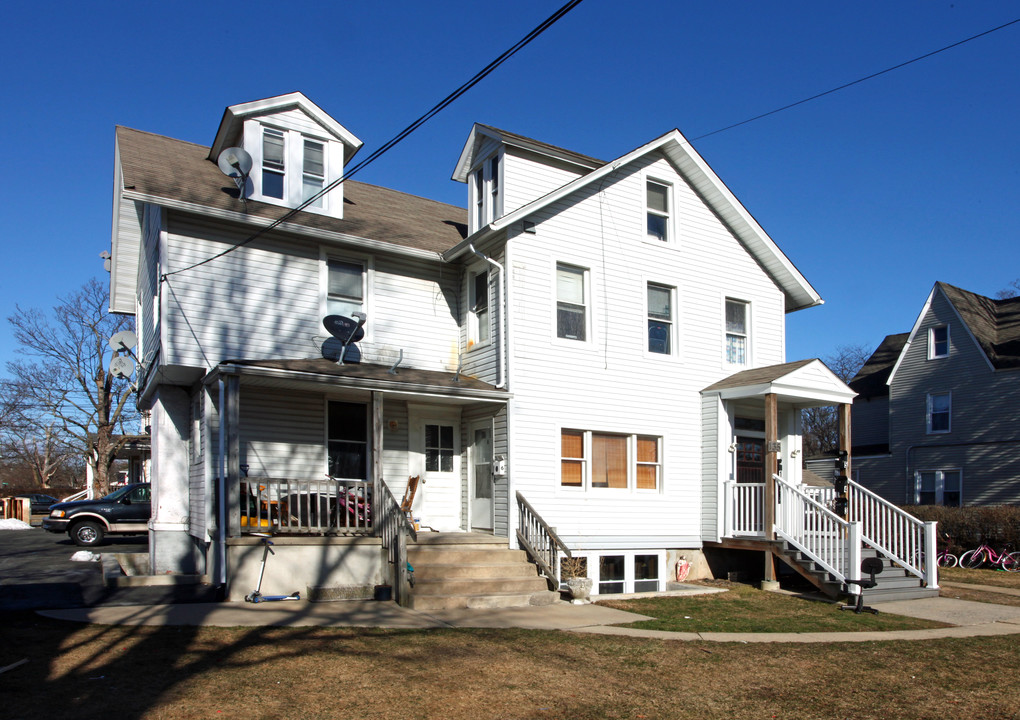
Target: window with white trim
{"points": [[609, 461], [938, 342], [657, 200], [292, 168], [273, 163], [618, 571], [660, 318], [345, 293], [196, 427], [313, 176], [939, 487], [737, 332], [571, 302], [485, 192], [478, 299], [940, 410]]}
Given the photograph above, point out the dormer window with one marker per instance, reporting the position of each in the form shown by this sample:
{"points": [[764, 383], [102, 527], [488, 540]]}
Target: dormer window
{"points": [[314, 172], [273, 164], [485, 191]]}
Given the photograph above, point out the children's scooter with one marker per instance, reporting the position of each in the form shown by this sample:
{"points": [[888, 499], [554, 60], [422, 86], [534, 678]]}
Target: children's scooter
{"points": [[257, 596]]}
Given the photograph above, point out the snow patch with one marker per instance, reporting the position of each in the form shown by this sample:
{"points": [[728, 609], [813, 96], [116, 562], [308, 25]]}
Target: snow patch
{"points": [[14, 524], [86, 556]]}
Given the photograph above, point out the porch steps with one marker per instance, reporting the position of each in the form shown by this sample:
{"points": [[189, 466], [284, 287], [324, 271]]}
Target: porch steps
{"points": [[472, 570], [894, 583]]}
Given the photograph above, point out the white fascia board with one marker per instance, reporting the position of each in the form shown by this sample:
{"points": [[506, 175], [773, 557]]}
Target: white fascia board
{"points": [[467, 154], [314, 234], [235, 115], [118, 188]]}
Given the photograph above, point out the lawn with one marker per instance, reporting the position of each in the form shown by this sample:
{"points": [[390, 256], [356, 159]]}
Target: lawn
{"points": [[177, 673], [989, 578], [744, 608]]}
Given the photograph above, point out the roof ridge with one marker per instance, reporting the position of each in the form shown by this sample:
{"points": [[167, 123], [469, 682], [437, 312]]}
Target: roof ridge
{"points": [[166, 137]]}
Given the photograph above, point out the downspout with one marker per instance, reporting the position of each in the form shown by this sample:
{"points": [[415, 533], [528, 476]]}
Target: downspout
{"points": [[221, 520], [501, 348]]}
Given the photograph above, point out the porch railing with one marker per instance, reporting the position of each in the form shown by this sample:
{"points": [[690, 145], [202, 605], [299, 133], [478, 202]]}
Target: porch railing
{"points": [[745, 509], [395, 529], [329, 506], [894, 533], [819, 534], [540, 541]]}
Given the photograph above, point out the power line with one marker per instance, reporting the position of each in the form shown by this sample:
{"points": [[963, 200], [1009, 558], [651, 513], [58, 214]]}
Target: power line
{"points": [[432, 112], [859, 80]]}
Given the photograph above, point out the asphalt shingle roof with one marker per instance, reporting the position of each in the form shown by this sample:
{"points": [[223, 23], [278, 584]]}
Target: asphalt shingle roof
{"points": [[994, 323], [871, 378]]}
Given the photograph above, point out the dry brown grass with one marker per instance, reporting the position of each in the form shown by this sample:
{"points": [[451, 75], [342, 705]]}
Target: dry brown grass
{"points": [[87, 671]]}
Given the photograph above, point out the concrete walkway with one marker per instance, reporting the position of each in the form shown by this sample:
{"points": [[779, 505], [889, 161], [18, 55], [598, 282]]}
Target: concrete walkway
{"points": [[966, 619]]}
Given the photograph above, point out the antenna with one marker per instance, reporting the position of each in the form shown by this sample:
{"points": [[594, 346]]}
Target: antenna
{"points": [[235, 163]]}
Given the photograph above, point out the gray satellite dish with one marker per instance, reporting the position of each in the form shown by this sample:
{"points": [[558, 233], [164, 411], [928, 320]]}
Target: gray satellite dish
{"points": [[122, 366], [124, 340], [235, 163]]}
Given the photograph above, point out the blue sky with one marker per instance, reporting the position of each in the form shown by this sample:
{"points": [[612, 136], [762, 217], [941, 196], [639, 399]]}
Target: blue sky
{"points": [[874, 192]]}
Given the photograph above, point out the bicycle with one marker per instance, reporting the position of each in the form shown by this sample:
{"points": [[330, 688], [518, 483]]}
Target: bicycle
{"points": [[985, 554]]}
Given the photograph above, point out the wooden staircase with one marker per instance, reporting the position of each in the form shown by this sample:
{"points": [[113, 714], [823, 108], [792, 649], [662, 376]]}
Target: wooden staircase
{"points": [[894, 582], [472, 570]]}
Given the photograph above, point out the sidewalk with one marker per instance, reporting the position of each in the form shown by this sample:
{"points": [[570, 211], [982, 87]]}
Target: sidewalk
{"points": [[966, 618]]}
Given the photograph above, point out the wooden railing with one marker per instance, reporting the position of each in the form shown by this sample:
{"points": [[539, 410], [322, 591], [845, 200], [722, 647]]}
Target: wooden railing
{"points": [[395, 529], [540, 541], [895, 533], [306, 507], [818, 533]]}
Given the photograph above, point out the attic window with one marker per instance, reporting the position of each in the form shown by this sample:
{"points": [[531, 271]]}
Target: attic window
{"points": [[273, 168], [938, 342], [657, 196], [314, 171]]}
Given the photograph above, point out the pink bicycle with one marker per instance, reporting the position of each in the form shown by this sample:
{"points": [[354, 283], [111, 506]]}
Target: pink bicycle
{"points": [[984, 554]]}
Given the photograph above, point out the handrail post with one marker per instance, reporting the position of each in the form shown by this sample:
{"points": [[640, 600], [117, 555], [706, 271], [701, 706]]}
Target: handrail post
{"points": [[854, 555], [931, 567], [728, 508]]}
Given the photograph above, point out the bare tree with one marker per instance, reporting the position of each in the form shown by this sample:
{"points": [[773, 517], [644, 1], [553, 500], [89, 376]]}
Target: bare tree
{"points": [[70, 399], [1011, 291], [821, 424]]}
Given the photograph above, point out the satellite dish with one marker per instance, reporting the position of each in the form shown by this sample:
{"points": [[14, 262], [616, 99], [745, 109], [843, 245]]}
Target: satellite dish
{"points": [[345, 329], [122, 366], [235, 163], [124, 340]]}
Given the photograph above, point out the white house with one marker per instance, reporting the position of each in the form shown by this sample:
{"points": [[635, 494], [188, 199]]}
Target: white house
{"points": [[589, 360]]}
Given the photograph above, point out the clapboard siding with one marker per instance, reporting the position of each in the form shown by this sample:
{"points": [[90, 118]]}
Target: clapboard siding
{"points": [[711, 412], [481, 360], [147, 323], [984, 436], [298, 120], [610, 383], [283, 433], [529, 177], [265, 300], [870, 421], [199, 450], [129, 226]]}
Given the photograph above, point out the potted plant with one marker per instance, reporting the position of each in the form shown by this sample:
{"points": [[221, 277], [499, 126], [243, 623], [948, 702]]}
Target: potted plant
{"points": [[574, 571]]}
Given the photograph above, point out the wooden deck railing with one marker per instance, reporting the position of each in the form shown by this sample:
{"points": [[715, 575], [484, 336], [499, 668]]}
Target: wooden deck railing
{"points": [[540, 541], [395, 529], [290, 506]]}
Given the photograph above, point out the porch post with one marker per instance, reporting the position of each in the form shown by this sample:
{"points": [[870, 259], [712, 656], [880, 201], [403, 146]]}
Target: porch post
{"points": [[377, 451], [844, 434], [771, 456], [231, 415]]}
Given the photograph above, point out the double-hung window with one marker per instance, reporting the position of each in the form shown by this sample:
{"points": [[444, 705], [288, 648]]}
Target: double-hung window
{"points": [[940, 409], [737, 332], [485, 191], [609, 461], [274, 165], [346, 287], [571, 303], [314, 171], [657, 200], [660, 319], [938, 487], [479, 303], [938, 342]]}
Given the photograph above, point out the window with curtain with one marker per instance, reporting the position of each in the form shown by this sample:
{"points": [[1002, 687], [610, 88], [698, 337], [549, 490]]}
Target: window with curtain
{"points": [[609, 461], [572, 469], [346, 292], [736, 332]]}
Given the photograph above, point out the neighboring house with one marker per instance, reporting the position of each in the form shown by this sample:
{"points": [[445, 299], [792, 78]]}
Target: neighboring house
{"points": [[935, 421], [605, 340]]}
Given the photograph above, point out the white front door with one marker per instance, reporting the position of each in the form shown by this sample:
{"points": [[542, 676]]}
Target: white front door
{"points": [[435, 456], [480, 475]]}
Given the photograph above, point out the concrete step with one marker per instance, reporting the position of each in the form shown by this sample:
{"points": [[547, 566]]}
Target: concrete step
{"points": [[875, 595], [446, 555], [479, 586], [432, 571], [482, 601]]}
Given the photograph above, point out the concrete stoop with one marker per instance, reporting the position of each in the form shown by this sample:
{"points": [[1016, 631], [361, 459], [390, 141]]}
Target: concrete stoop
{"points": [[471, 570]]}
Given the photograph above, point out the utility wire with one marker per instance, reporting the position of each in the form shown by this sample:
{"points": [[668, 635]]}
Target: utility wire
{"points": [[436, 109], [858, 81]]}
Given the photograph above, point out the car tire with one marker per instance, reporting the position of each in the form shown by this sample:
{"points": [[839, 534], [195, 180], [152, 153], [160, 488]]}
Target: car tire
{"points": [[88, 533]]}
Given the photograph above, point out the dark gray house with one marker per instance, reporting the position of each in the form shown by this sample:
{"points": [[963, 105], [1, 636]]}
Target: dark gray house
{"points": [[937, 415]]}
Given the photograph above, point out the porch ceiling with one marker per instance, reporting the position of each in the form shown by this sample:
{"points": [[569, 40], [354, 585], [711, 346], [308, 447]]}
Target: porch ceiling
{"points": [[303, 373], [804, 383]]}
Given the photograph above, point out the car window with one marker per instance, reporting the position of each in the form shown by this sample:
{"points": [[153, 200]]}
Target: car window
{"points": [[140, 494]]}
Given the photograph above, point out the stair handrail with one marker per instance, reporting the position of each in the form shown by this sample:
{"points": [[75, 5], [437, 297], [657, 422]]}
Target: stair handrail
{"points": [[539, 540], [895, 533], [394, 529], [832, 543]]}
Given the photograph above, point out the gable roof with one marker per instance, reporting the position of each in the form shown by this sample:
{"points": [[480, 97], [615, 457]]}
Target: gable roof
{"points": [[479, 132], [173, 172], [235, 115], [995, 324], [798, 291], [870, 380], [804, 382]]}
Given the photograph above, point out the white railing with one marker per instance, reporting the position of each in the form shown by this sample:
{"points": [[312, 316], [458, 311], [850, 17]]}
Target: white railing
{"points": [[895, 533], [821, 495], [329, 506], [745, 509], [828, 540]]}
